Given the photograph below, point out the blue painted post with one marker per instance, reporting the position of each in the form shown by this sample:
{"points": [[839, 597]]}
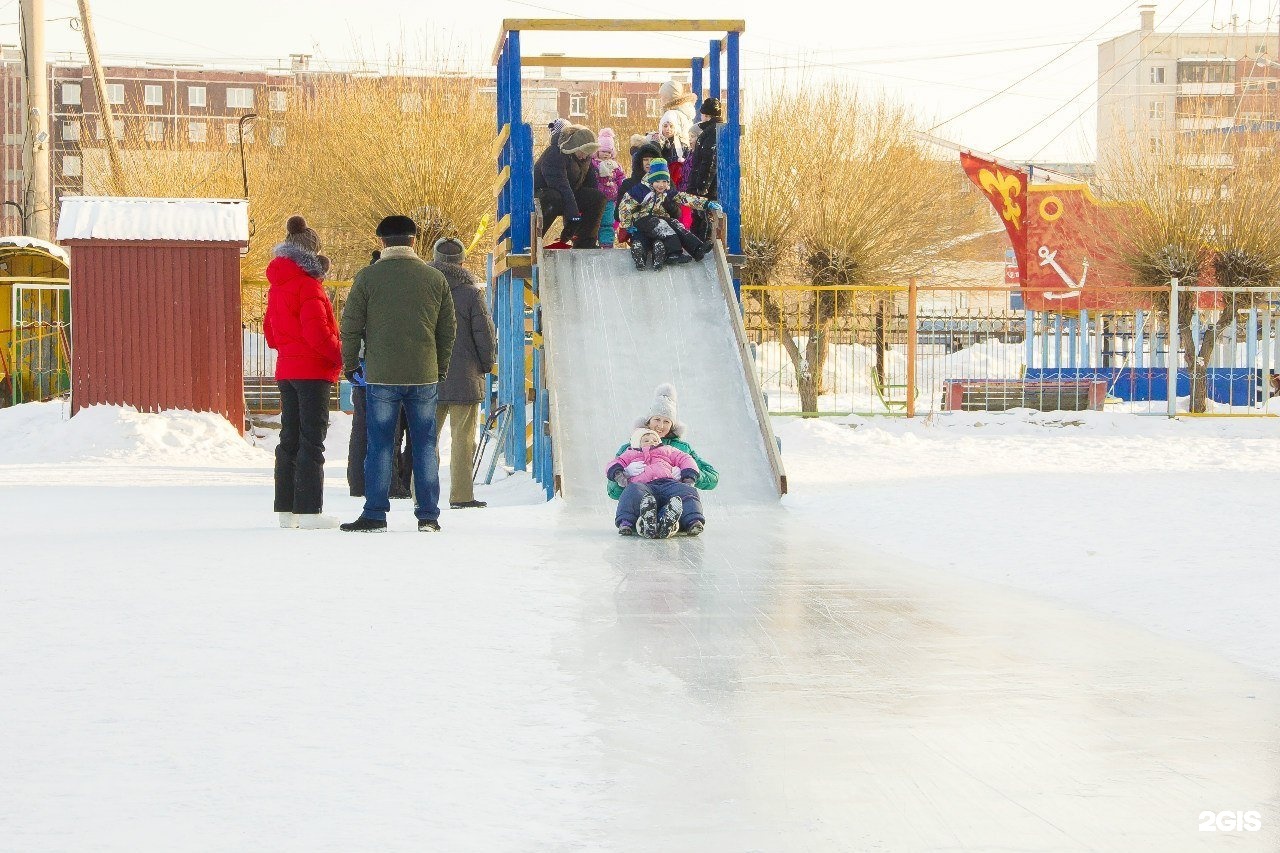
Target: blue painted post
{"points": [[732, 199], [713, 60], [1251, 339], [1057, 336], [1086, 340], [695, 75], [1031, 338], [1139, 324], [486, 405], [1073, 329], [1044, 340]]}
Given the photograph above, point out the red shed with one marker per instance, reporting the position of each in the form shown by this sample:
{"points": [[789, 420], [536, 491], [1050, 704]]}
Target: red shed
{"points": [[155, 309]]}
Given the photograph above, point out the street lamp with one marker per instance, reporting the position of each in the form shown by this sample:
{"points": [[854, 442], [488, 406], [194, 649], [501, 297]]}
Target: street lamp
{"points": [[244, 169], [22, 213]]}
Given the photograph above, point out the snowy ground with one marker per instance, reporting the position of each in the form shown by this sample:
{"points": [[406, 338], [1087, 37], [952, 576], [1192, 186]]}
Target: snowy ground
{"points": [[1166, 524], [179, 674]]}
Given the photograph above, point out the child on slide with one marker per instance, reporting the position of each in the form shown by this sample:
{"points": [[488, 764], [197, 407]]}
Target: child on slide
{"points": [[649, 465], [650, 211]]}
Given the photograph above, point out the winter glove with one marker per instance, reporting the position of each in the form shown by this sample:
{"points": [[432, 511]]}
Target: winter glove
{"points": [[715, 205], [356, 377], [624, 237], [633, 231], [621, 479], [688, 475], [635, 468]]}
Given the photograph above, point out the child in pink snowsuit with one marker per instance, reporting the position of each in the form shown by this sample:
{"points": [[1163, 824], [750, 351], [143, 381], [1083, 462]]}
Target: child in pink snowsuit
{"points": [[647, 463], [609, 177]]}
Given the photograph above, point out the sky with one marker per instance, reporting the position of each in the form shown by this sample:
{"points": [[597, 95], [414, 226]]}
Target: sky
{"points": [[943, 58]]}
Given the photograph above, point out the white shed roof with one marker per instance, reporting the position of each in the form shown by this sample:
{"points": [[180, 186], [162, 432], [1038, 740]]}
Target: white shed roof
{"points": [[105, 218], [33, 242]]}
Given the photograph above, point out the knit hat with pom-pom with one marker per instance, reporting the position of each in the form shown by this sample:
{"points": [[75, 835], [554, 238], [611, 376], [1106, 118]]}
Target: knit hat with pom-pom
{"points": [[301, 235], [664, 402], [607, 148]]}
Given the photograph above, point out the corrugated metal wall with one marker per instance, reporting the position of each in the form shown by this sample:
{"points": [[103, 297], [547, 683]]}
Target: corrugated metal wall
{"points": [[157, 326]]}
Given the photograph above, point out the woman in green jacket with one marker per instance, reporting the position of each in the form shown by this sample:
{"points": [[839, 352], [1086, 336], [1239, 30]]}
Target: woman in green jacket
{"points": [[640, 507]]}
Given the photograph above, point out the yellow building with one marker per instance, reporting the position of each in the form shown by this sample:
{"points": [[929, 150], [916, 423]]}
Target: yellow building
{"points": [[35, 321]]}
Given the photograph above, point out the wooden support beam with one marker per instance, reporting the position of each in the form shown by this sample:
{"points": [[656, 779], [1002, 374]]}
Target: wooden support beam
{"points": [[645, 62], [501, 140], [624, 25], [503, 177], [503, 226]]}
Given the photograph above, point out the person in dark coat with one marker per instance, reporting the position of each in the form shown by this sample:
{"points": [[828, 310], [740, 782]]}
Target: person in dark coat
{"points": [[357, 445], [702, 173], [299, 325], [475, 353], [565, 185]]}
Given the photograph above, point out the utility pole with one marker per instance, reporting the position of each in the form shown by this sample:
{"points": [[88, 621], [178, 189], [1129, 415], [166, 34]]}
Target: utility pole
{"points": [[105, 113], [38, 221]]}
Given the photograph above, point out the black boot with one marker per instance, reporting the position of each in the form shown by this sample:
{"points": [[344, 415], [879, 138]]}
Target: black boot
{"points": [[637, 254], [363, 525], [659, 255], [669, 518], [647, 523]]}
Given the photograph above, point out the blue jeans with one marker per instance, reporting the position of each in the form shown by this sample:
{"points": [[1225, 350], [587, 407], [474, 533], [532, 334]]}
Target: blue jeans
{"points": [[382, 410], [663, 490]]}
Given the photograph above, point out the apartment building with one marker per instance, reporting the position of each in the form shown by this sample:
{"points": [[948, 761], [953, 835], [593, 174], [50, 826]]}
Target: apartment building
{"points": [[157, 105], [1153, 84]]}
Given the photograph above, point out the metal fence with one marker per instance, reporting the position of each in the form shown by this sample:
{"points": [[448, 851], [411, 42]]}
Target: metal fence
{"points": [[907, 350], [261, 396]]}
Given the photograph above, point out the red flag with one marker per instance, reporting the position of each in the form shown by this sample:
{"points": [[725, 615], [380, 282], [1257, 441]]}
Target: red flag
{"points": [[1006, 189]]}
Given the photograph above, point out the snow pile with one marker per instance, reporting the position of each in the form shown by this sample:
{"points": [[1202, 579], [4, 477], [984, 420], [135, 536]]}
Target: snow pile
{"points": [[43, 433]]}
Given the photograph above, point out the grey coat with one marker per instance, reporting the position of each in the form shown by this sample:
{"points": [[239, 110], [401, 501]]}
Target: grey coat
{"points": [[475, 348]]}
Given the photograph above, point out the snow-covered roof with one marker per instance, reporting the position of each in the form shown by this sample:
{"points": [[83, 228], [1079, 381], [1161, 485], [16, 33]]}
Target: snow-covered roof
{"points": [[33, 242], [204, 219]]}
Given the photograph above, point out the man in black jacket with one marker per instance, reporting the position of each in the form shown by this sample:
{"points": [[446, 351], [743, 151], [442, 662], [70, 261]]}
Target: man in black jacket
{"points": [[475, 353], [566, 185], [702, 172]]}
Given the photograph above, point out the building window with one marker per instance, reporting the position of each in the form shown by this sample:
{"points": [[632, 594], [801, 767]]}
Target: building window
{"points": [[197, 131], [153, 96], [117, 125], [115, 93], [71, 131], [279, 101], [71, 93], [155, 131], [71, 166], [411, 102], [618, 107], [651, 107], [276, 135], [233, 132], [1157, 74], [195, 96], [239, 99], [1155, 110], [578, 106]]}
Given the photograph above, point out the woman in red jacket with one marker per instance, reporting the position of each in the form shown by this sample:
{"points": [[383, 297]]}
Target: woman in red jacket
{"points": [[300, 326]]}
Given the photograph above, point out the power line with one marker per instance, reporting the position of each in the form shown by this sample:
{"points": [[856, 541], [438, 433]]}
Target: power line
{"points": [[1102, 94], [1026, 77]]}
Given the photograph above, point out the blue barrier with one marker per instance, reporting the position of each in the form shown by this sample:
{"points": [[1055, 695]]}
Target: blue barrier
{"points": [[1236, 386]]}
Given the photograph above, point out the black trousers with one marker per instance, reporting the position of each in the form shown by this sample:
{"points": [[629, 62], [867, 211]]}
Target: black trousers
{"points": [[401, 457], [656, 229], [304, 423], [585, 233]]}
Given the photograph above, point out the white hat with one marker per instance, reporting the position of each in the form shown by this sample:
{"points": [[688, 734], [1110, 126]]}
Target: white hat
{"points": [[638, 436]]}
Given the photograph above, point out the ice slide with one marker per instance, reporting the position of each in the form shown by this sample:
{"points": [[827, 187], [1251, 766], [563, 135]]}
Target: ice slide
{"points": [[613, 334]]}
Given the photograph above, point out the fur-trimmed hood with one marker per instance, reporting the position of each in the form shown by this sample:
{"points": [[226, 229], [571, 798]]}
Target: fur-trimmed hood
{"points": [[309, 261], [576, 139], [456, 275]]}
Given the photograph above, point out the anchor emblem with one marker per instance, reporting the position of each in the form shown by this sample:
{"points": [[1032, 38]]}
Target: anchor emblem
{"points": [[1050, 259]]}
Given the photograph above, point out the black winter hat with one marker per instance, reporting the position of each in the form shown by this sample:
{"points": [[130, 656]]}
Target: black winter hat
{"points": [[651, 150], [397, 226], [711, 109]]}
